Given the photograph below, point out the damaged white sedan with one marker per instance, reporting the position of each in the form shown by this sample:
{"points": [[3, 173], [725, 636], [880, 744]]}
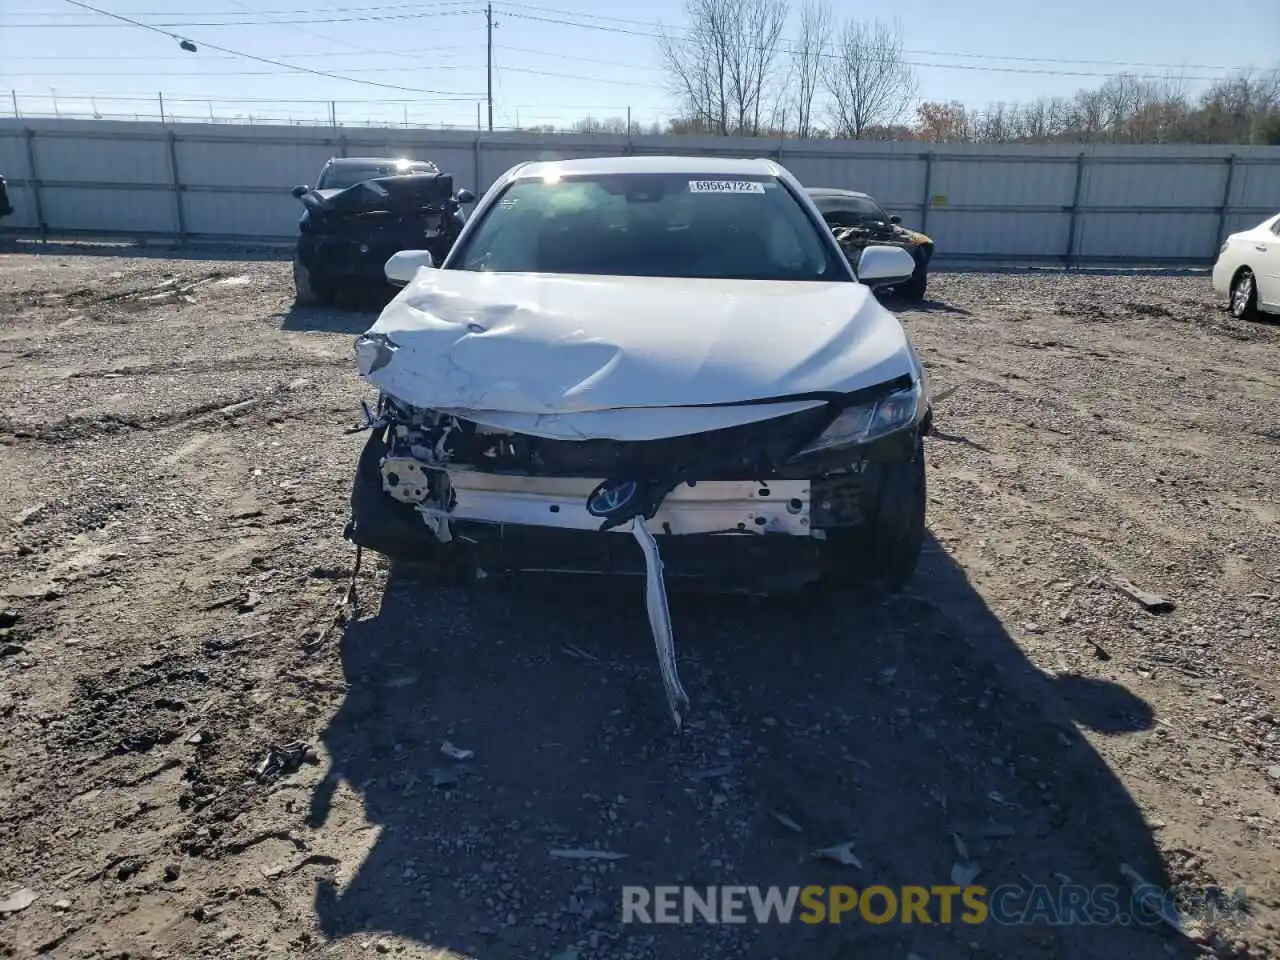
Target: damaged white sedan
{"points": [[673, 348]]}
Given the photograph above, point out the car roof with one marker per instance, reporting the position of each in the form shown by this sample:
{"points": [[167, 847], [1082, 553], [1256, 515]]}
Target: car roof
{"points": [[836, 192], [596, 166]]}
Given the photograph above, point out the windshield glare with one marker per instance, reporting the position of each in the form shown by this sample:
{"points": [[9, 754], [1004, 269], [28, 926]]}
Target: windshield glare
{"points": [[339, 178], [651, 225]]}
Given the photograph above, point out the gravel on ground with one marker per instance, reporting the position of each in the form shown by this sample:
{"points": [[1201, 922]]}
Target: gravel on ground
{"points": [[205, 753]]}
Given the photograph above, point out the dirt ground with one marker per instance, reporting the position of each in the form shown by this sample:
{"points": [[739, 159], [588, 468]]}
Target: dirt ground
{"points": [[204, 754]]}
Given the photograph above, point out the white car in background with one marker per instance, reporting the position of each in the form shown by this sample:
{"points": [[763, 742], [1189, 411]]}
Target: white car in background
{"points": [[1248, 270]]}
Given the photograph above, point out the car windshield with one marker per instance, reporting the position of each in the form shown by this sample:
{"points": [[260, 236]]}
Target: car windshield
{"points": [[651, 225], [341, 177], [851, 210]]}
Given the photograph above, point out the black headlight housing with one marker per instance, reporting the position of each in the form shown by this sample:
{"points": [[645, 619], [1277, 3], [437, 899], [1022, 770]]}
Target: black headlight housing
{"points": [[876, 423]]}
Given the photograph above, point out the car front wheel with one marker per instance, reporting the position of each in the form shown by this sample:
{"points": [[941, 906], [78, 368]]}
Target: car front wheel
{"points": [[881, 553], [306, 288], [913, 290], [1244, 296]]}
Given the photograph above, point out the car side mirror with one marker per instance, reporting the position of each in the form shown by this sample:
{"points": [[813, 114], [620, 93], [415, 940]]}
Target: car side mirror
{"points": [[298, 191], [884, 266], [895, 219], [465, 196], [404, 266]]}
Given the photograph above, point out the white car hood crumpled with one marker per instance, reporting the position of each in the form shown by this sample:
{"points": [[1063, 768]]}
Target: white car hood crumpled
{"points": [[626, 358]]}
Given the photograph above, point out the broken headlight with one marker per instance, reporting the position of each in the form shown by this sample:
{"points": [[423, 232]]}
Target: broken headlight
{"points": [[869, 421]]}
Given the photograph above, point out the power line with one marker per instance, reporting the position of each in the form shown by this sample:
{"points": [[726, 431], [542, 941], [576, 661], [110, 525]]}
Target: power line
{"points": [[265, 13], [213, 75], [370, 13], [653, 36], [576, 76], [576, 13], [186, 57], [833, 56], [465, 94], [306, 32], [151, 98], [272, 73], [242, 23], [267, 60], [564, 56], [914, 52]]}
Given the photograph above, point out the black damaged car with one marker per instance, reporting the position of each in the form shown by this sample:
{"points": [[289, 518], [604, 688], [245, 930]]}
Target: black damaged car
{"points": [[6, 207], [858, 221], [360, 212]]}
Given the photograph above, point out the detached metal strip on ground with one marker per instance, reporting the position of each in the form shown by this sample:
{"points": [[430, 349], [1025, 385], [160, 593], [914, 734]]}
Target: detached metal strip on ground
{"points": [[660, 619]]}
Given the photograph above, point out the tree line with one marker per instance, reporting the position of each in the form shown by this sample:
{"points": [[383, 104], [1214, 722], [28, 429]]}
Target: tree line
{"points": [[758, 68]]}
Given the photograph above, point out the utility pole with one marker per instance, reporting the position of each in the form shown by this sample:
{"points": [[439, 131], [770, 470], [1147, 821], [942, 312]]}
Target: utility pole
{"points": [[488, 19]]}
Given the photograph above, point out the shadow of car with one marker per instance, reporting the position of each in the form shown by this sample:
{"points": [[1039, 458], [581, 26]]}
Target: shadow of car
{"points": [[900, 726]]}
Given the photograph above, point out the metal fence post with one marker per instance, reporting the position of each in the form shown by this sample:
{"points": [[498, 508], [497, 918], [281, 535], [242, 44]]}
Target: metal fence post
{"points": [[342, 145], [1073, 224], [175, 182], [475, 161], [34, 182], [928, 192], [1226, 203]]}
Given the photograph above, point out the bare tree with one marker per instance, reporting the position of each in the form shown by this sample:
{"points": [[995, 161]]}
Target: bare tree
{"points": [[612, 125], [1241, 108], [808, 59], [697, 64], [753, 55], [996, 124], [722, 63], [867, 78]]}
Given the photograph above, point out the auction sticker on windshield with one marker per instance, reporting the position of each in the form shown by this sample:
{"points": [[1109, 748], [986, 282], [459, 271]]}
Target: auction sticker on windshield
{"points": [[725, 186]]}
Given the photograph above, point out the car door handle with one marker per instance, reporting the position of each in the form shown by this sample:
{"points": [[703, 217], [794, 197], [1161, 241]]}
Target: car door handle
{"points": [[1261, 247]]}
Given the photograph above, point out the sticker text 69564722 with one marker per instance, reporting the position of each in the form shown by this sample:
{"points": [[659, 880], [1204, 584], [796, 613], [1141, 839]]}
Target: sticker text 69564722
{"points": [[726, 186]]}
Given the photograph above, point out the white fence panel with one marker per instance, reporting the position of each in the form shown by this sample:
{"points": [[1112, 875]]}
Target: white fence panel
{"points": [[108, 210], [1055, 203], [1146, 236], [272, 216]]}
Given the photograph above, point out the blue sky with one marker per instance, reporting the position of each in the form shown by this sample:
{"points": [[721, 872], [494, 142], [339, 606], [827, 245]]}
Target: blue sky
{"points": [[559, 60]]}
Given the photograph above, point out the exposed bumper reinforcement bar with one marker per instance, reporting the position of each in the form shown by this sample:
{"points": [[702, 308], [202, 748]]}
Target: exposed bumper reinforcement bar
{"points": [[776, 507]]}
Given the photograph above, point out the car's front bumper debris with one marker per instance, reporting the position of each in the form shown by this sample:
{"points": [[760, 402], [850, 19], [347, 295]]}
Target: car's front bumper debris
{"points": [[655, 600]]}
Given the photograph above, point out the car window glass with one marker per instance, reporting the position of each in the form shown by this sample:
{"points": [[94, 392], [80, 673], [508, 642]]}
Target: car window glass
{"points": [[851, 212], [673, 225]]}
